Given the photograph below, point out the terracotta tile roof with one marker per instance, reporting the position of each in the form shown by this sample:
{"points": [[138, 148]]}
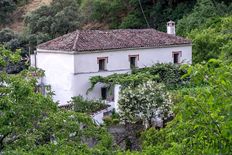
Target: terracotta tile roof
{"points": [[92, 40]]}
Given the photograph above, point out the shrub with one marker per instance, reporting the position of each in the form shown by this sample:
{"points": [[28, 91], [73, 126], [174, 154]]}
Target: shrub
{"points": [[6, 35], [108, 120], [6, 7], [203, 120], [87, 106], [203, 10], [215, 35], [145, 102]]}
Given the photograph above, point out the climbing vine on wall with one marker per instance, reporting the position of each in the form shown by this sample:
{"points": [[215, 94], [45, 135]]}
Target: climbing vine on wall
{"points": [[169, 74]]}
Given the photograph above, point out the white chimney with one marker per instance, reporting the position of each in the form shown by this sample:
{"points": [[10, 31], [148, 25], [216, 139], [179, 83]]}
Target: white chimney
{"points": [[171, 28]]}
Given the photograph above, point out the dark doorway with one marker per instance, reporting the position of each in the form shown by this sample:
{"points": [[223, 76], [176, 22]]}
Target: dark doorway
{"points": [[176, 58], [132, 62], [104, 93], [102, 65]]}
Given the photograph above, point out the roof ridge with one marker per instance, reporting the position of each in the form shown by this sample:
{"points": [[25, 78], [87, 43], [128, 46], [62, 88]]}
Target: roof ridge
{"points": [[76, 39], [90, 40]]}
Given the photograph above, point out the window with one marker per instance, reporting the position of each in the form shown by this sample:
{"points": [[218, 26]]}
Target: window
{"points": [[104, 93], [102, 63], [133, 61], [176, 57]]}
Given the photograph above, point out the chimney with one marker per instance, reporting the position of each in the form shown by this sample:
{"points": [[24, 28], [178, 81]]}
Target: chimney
{"points": [[171, 28]]}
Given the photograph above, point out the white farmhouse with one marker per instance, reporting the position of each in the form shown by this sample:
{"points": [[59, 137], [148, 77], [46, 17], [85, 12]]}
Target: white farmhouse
{"points": [[70, 60]]}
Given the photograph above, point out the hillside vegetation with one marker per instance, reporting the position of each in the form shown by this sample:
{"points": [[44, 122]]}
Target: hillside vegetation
{"points": [[15, 11], [63, 16]]}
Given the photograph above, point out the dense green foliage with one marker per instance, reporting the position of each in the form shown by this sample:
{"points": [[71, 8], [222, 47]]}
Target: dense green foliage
{"points": [[202, 12], [87, 106], [48, 22], [13, 41], [145, 102], [203, 115], [32, 123], [169, 74], [214, 36], [6, 7], [128, 13]]}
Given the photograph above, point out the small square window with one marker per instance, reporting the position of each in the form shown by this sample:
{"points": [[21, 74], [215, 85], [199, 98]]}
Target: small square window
{"points": [[176, 57], [133, 61], [102, 64]]}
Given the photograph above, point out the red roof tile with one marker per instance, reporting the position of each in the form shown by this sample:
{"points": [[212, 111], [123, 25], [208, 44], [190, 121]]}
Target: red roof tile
{"points": [[92, 40]]}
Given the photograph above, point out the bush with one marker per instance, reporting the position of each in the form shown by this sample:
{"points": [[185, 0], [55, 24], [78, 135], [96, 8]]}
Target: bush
{"points": [[87, 106], [214, 36], [6, 35], [108, 120], [112, 120], [145, 102], [203, 120], [6, 7], [203, 10]]}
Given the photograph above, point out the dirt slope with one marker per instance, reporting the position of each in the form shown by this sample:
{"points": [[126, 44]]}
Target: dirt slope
{"points": [[17, 16]]}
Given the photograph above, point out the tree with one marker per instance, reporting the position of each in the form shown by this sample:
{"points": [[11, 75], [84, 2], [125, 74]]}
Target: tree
{"points": [[145, 102], [57, 19], [6, 35], [202, 123], [200, 15], [214, 36], [20, 106], [6, 7], [32, 123]]}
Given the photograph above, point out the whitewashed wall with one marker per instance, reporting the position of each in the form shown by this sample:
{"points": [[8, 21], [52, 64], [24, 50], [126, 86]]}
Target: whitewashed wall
{"points": [[118, 60], [86, 65], [82, 84], [59, 73], [69, 74]]}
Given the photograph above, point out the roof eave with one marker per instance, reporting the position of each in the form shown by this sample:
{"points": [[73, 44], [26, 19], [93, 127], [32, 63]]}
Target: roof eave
{"points": [[107, 50]]}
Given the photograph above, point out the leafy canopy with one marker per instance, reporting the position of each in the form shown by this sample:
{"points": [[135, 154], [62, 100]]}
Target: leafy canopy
{"points": [[145, 102], [202, 124], [215, 37], [48, 22], [31, 123]]}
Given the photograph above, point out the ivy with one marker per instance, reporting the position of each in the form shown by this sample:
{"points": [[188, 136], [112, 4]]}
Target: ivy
{"points": [[169, 74]]}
